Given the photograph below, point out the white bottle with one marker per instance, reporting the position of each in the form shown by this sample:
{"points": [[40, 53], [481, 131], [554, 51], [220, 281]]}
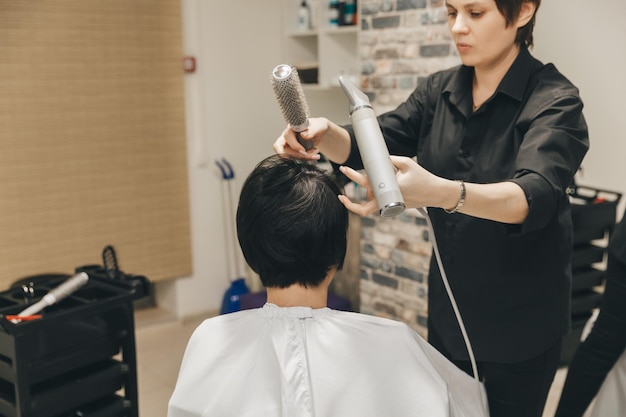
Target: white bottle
{"points": [[314, 10], [304, 16]]}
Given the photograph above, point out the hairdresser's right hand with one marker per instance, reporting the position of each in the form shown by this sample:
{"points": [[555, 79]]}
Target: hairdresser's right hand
{"points": [[287, 142]]}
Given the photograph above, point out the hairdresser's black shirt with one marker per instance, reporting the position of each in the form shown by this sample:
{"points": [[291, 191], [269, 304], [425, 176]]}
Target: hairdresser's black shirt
{"points": [[511, 282]]}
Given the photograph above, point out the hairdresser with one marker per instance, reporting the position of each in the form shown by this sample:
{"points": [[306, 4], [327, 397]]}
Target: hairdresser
{"points": [[497, 140]]}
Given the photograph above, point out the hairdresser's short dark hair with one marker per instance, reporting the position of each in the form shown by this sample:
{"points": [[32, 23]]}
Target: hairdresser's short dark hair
{"points": [[291, 226], [510, 9]]}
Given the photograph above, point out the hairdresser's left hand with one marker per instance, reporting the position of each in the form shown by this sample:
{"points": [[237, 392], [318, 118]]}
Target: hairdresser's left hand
{"points": [[362, 209], [419, 187]]}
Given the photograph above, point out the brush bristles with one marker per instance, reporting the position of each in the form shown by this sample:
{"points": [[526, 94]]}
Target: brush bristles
{"points": [[290, 96]]}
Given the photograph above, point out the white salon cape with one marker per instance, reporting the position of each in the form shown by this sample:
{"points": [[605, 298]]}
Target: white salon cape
{"points": [[303, 362]]}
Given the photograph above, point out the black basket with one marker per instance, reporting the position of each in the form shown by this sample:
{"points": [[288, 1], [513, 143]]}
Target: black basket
{"points": [[594, 212]]}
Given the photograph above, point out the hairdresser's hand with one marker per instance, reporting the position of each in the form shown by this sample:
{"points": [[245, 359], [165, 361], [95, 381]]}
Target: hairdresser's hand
{"points": [[287, 142], [419, 187], [363, 209]]}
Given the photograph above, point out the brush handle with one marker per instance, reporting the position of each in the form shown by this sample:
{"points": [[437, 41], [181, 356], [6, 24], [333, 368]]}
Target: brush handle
{"points": [[308, 144], [67, 287], [57, 294]]}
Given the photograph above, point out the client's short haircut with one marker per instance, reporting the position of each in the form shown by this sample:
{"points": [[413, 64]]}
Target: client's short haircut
{"points": [[291, 226]]}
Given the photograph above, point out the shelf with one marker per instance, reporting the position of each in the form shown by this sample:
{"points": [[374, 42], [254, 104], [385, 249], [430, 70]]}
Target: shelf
{"points": [[302, 34], [593, 213], [318, 87], [586, 255], [586, 278], [585, 301], [333, 48], [330, 31], [339, 30]]}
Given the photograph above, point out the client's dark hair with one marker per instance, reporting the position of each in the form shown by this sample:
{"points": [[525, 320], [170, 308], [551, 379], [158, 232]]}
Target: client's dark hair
{"points": [[291, 226]]}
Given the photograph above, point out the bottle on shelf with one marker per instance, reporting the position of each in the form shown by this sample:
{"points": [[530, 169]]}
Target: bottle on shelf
{"points": [[348, 12], [304, 16], [333, 12], [314, 10]]}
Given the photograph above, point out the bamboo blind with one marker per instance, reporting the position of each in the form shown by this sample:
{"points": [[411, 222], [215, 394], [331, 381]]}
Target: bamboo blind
{"points": [[92, 137]]}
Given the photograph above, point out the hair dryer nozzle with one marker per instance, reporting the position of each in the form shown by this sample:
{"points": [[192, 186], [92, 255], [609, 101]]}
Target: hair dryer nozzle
{"points": [[356, 97]]}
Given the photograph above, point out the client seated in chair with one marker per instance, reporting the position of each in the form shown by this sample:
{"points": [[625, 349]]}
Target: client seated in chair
{"points": [[295, 356]]}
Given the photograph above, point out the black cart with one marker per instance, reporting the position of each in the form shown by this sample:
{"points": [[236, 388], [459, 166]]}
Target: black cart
{"points": [[594, 213], [77, 359]]}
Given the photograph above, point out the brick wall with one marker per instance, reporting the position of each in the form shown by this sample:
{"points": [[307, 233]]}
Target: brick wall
{"points": [[400, 43], [395, 256]]}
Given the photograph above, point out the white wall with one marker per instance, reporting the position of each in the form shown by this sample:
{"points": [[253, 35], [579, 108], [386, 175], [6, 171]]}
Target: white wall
{"points": [[232, 112], [585, 40]]}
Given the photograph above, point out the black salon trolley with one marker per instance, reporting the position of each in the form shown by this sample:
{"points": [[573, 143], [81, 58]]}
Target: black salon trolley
{"points": [[78, 359], [594, 213]]}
